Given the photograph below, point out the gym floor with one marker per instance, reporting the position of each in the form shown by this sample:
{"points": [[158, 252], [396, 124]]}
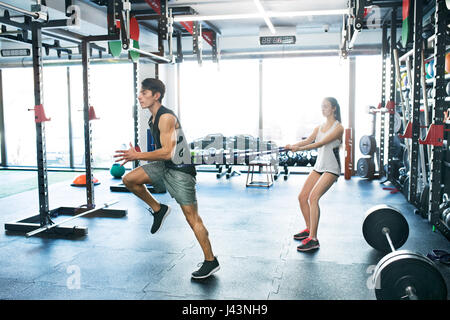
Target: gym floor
{"points": [[250, 230]]}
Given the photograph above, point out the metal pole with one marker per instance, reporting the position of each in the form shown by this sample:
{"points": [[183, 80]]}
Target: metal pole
{"points": [[261, 110], [3, 160], [48, 227], [40, 126], [386, 233], [136, 108], [439, 84], [87, 125], [20, 10], [69, 108], [383, 99], [151, 55], [391, 134], [351, 102], [415, 119]]}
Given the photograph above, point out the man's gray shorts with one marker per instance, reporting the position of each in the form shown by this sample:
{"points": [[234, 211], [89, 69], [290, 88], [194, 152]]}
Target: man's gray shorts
{"points": [[180, 185]]}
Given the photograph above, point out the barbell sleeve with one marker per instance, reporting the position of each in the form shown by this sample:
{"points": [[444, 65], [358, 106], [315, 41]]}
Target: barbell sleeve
{"points": [[388, 237]]}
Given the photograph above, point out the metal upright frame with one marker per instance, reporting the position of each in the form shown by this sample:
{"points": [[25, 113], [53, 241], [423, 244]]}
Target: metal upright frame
{"points": [[391, 104], [436, 131], [136, 108], [44, 219], [415, 108], [384, 50], [3, 159]]}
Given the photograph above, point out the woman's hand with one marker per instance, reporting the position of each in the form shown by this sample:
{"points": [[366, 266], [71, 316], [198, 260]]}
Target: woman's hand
{"points": [[294, 148], [289, 147]]}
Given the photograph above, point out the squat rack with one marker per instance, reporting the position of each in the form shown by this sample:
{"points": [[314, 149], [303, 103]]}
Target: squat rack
{"points": [[435, 131], [44, 219]]}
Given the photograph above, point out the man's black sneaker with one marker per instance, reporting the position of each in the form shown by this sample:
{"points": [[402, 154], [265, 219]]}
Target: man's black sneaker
{"points": [[302, 235], [207, 268], [308, 244], [158, 217]]}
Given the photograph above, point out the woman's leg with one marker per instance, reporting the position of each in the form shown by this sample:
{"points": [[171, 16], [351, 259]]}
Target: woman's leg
{"points": [[304, 196], [323, 184]]}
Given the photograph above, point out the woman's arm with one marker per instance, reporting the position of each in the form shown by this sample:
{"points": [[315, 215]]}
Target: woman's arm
{"points": [[305, 142], [333, 135], [308, 140]]}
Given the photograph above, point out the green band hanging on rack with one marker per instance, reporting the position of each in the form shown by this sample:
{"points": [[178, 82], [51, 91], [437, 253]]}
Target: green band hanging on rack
{"points": [[405, 24]]}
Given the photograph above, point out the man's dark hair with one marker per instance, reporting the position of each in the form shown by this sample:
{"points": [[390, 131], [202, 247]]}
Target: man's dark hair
{"points": [[154, 85]]}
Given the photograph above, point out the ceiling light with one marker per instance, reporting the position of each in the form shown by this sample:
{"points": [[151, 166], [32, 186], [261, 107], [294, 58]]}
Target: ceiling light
{"points": [[269, 14], [266, 19]]}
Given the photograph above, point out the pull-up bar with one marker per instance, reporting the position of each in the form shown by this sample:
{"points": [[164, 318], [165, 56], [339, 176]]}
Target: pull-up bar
{"points": [[39, 15]]}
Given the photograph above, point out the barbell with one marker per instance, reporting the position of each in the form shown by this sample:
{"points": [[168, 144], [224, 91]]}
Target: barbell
{"points": [[403, 274], [50, 226]]}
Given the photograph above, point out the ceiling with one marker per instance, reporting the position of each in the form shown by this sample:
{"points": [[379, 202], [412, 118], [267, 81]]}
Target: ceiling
{"points": [[321, 29]]}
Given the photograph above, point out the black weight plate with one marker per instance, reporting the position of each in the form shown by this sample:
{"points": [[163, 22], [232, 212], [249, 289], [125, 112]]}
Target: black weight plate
{"points": [[302, 159], [384, 216], [401, 269], [397, 147], [367, 145], [406, 159], [405, 188], [424, 200], [365, 167]]}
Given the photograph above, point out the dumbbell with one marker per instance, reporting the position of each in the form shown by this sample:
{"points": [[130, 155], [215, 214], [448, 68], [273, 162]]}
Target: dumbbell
{"points": [[302, 158], [292, 158], [400, 274], [313, 157]]}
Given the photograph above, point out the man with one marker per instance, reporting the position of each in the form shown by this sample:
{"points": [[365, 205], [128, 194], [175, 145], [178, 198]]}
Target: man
{"points": [[169, 167]]}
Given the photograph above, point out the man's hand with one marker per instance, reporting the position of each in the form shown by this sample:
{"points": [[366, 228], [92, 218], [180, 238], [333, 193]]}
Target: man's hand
{"points": [[126, 155]]}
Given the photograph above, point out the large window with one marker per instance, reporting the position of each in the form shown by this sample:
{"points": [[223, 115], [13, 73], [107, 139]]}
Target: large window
{"points": [[220, 98], [55, 103], [111, 96], [368, 93], [20, 129], [293, 90], [226, 98]]}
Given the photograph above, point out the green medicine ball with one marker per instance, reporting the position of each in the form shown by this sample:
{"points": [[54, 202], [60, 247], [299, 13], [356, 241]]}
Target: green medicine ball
{"points": [[117, 170]]}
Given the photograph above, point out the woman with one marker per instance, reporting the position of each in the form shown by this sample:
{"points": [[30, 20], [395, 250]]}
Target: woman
{"points": [[327, 139]]}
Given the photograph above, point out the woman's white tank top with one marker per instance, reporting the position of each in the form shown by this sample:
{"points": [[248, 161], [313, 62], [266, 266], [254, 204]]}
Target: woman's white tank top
{"points": [[328, 159]]}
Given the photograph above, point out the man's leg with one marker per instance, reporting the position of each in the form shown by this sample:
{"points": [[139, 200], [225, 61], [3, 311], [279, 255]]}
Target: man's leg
{"points": [[136, 181], [196, 224]]}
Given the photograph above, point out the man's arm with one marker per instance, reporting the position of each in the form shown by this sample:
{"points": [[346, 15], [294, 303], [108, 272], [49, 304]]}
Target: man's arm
{"points": [[168, 142]]}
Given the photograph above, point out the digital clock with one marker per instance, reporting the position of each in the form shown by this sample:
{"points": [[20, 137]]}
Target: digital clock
{"points": [[270, 40]]}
